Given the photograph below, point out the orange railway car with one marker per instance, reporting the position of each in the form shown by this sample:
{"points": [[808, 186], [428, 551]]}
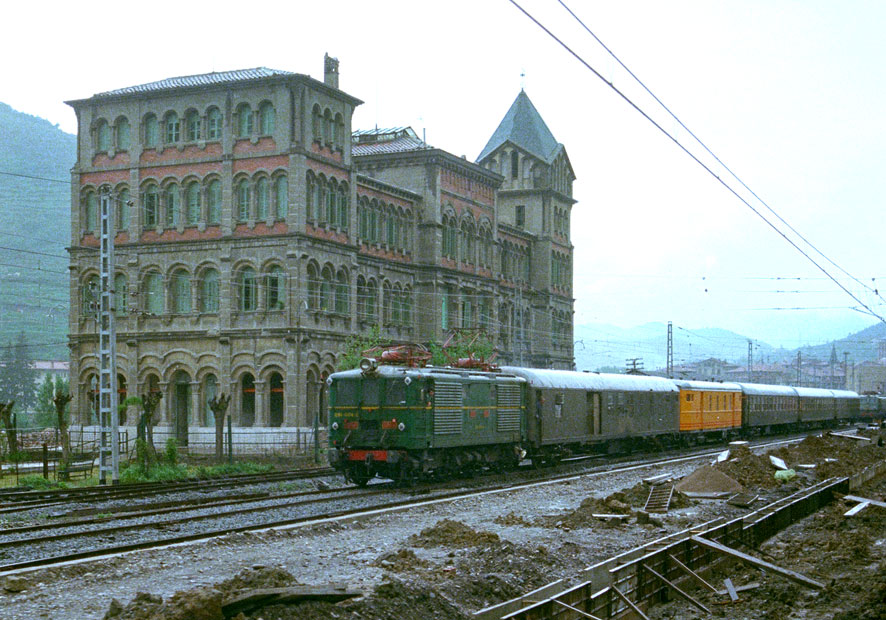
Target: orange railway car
{"points": [[706, 407]]}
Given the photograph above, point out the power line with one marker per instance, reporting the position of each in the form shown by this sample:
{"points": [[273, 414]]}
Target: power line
{"points": [[711, 153], [33, 252], [694, 157], [36, 178]]}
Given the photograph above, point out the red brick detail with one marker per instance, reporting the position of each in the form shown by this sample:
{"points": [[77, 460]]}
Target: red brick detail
{"points": [[261, 229], [121, 237], [119, 159], [89, 240], [371, 193], [324, 233], [259, 163], [370, 250], [181, 170], [189, 234], [245, 145], [170, 154], [326, 152], [461, 184], [104, 176]]}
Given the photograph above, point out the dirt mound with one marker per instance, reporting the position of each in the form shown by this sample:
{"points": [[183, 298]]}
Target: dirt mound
{"points": [[512, 519], [449, 533], [707, 479], [401, 561], [257, 577]]}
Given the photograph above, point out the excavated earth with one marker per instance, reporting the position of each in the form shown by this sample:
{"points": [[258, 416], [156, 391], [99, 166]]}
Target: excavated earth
{"points": [[447, 560]]}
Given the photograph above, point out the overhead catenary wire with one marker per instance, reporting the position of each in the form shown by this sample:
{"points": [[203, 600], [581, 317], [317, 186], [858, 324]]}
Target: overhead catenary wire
{"points": [[694, 157]]}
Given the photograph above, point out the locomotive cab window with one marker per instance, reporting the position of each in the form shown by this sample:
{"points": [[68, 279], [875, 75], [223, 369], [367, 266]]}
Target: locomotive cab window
{"points": [[346, 393], [396, 394]]}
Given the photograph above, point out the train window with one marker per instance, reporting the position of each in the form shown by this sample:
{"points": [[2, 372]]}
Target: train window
{"points": [[558, 399], [370, 393], [621, 399], [689, 398], [396, 394], [610, 401], [345, 393]]}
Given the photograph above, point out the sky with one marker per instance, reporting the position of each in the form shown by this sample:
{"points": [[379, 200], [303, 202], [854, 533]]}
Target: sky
{"points": [[790, 95]]}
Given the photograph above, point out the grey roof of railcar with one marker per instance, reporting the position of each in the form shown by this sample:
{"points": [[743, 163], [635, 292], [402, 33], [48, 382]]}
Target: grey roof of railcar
{"points": [[707, 386], [844, 394], [807, 392], [759, 389], [436, 372], [567, 379]]}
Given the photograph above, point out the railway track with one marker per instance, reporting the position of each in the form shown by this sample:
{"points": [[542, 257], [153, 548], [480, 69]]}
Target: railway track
{"points": [[18, 500], [20, 550]]}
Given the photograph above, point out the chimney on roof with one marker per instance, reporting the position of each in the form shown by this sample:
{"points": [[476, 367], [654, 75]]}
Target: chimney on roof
{"points": [[330, 71]]}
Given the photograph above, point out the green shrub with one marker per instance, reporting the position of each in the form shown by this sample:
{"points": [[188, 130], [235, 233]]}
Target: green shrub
{"points": [[158, 473], [170, 454], [39, 483], [231, 469]]}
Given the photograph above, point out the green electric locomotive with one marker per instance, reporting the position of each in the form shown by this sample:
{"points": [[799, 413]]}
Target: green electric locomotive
{"points": [[408, 423]]}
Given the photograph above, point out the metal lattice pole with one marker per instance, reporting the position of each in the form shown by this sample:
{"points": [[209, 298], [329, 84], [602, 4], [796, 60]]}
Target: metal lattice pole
{"points": [[109, 450]]}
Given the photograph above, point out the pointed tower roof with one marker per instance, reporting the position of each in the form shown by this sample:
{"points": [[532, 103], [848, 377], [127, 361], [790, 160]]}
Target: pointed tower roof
{"points": [[524, 127]]}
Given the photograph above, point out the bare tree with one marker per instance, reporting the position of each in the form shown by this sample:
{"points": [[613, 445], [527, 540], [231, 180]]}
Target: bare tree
{"points": [[149, 409], [219, 405], [61, 400], [6, 418]]}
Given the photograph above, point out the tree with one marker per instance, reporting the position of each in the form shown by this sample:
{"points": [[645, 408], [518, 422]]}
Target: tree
{"points": [[6, 418], [45, 406], [16, 374], [354, 347], [219, 405], [472, 345], [60, 403]]}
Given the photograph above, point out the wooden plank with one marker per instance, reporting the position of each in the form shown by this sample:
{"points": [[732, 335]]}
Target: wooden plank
{"points": [[856, 509], [873, 502], [678, 590], [733, 595], [578, 611], [629, 603], [848, 436], [784, 572], [659, 478], [747, 586], [692, 574]]}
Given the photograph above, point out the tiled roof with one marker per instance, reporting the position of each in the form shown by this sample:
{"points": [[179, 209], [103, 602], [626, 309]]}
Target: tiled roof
{"points": [[205, 79], [379, 141], [523, 126]]}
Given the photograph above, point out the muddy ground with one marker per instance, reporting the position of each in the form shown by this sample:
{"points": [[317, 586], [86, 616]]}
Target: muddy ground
{"points": [[448, 560]]}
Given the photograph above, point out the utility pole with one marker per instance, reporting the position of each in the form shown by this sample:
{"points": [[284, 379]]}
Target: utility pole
{"points": [[799, 365], [750, 360], [670, 362], [109, 451], [634, 364], [845, 370]]}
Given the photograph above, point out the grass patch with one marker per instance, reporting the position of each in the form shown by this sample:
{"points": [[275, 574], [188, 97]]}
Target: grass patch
{"points": [[231, 469], [157, 473], [39, 483]]}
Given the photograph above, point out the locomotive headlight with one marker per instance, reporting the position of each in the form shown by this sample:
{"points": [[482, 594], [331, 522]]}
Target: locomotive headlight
{"points": [[335, 426], [368, 364], [401, 427]]}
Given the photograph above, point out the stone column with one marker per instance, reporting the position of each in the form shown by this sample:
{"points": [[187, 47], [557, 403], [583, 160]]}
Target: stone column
{"points": [[261, 398]]}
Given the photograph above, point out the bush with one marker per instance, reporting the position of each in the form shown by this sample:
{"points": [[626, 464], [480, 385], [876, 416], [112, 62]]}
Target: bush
{"points": [[39, 483], [170, 454], [158, 473], [231, 469]]}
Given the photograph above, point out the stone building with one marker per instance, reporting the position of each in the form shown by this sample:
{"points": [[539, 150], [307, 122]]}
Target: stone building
{"points": [[256, 231]]}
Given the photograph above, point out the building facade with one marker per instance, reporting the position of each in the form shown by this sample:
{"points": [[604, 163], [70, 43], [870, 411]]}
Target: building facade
{"points": [[256, 232]]}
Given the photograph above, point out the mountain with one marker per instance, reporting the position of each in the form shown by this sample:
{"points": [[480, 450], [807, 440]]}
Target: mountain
{"points": [[35, 227]]}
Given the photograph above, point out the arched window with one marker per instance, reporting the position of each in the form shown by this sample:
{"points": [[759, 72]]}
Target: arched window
{"points": [[90, 293], [327, 127], [310, 206], [123, 138], [173, 206], [214, 124], [372, 300], [243, 201], [326, 288], [342, 303], [244, 121], [267, 117], [173, 128], [343, 206], [121, 299], [339, 132], [247, 400], [386, 304], [193, 124], [151, 206], [390, 225], [313, 287], [396, 305], [275, 288], [467, 245], [406, 308], [515, 164], [193, 210], [248, 289], [90, 212], [316, 122], [209, 291], [262, 198], [152, 131], [103, 133], [180, 290], [210, 391], [276, 400], [213, 197], [281, 193], [362, 219], [331, 206], [153, 292], [122, 215]]}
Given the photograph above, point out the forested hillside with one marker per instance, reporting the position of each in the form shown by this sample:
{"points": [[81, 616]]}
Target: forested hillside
{"points": [[34, 230]]}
